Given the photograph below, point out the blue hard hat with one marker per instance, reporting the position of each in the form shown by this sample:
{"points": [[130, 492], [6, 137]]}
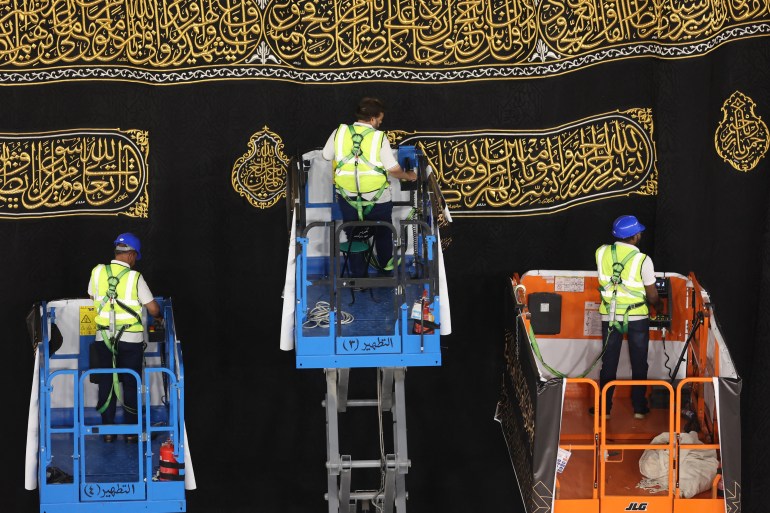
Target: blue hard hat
{"points": [[626, 226], [131, 242]]}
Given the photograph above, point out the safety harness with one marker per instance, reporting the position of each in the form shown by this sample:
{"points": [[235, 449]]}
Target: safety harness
{"points": [[111, 338], [615, 283], [362, 206]]}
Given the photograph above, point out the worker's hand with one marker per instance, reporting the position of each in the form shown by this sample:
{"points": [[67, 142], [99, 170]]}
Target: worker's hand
{"points": [[159, 322], [412, 175]]}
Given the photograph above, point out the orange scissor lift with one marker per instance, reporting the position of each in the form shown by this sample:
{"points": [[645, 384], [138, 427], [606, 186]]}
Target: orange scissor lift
{"points": [[692, 386]]}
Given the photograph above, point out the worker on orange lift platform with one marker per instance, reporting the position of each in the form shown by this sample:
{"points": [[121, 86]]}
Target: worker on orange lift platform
{"points": [[363, 160], [119, 294], [627, 286]]}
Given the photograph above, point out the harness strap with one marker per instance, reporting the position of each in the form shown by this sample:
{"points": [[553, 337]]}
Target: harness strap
{"points": [[112, 345], [113, 342], [617, 269], [111, 295], [536, 349], [112, 285], [362, 206], [623, 327], [129, 310], [357, 154], [616, 282], [356, 150]]}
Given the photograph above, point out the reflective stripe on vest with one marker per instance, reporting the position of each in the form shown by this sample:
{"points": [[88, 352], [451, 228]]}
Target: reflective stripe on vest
{"points": [[631, 277], [368, 175], [126, 292]]}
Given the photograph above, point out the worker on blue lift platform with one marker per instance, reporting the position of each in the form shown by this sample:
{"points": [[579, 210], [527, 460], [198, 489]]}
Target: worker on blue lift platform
{"points": [[362, 160], [119, 294], [627, 286]]}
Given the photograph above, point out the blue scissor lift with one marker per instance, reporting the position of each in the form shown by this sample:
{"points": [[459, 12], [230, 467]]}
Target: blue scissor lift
{"points": [[77, 470], [344, 322]]}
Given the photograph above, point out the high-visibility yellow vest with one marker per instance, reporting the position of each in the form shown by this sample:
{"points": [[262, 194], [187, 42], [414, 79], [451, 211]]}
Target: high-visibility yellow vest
{"points": [[630, 290], [358, 166], [129, 312]]}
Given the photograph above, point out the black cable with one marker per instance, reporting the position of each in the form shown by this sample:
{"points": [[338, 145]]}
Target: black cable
{"points": [[682, 355], [665, 352]]}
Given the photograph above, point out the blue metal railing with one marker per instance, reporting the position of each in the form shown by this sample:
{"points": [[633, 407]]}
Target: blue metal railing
{"points": [[63, 496], [395, 346]]}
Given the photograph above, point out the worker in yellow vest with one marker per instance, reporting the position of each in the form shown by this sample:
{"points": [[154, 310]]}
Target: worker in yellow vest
{"points": [[119, 294], [363, 161], [627, 286]]}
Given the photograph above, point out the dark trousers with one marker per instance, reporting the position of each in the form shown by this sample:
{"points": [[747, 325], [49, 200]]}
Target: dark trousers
{"points": [[383, 237], [638, 342], [130, 356]]}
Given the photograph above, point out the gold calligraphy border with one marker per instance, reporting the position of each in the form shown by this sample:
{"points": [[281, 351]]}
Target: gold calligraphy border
{"points": [[339, 41], [741, 138], [597, 154], [259, 175], [43, 174]]}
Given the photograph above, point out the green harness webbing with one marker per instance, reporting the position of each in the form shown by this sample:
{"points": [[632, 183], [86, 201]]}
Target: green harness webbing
{"points": [[362, 206], [112, 342], [617, 282], [536, 350], [390, 264]]}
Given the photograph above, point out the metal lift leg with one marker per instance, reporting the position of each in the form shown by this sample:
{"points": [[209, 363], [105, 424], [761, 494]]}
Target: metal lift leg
{"points": [[333, 461], [342, 387], [386, 388], [340, 467], [390, 483], [345, 475], [399, 440]]}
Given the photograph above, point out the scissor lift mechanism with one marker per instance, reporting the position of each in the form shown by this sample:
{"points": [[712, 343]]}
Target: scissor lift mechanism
{"points": [[339, 349], [340, 466]]}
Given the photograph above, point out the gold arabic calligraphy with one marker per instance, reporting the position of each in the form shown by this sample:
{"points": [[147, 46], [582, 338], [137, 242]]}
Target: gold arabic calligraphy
{"points": [[334, 34], [260, 174], [519, 173], [341, 33], [151, 33], [74, 172], [572, 28], [330, 33], [742, 137]]}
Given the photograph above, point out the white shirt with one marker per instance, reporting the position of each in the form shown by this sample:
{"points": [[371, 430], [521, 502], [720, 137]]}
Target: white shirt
{"points": [[144, 295], [648, 278]]}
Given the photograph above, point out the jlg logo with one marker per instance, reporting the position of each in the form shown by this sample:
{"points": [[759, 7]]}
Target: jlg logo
{"points": [[637, 506]]}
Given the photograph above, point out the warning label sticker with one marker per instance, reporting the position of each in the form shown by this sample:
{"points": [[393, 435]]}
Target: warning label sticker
{"points": [[87, 320]]}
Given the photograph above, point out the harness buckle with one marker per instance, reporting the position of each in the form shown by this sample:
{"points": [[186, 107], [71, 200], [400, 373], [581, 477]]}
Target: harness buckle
{"points": [[112, 283]]}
